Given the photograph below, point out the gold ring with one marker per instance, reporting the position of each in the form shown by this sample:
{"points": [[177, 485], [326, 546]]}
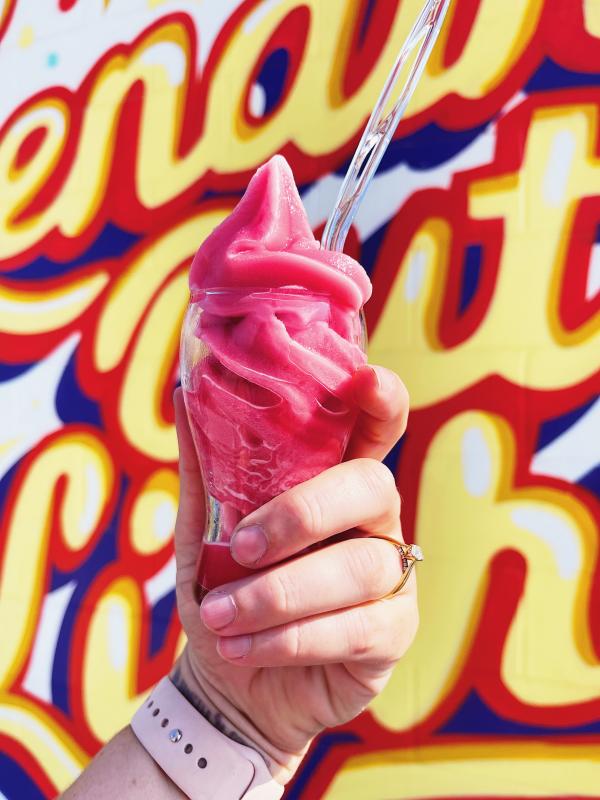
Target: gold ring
{"points": [[409, 555]]}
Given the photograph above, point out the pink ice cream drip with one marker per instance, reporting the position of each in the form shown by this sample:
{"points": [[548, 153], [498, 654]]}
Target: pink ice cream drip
{"points": [[271, 402]]}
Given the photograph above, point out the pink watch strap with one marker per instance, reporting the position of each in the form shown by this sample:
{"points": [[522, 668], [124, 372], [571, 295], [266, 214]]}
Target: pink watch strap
{"points": [[198, 758]]}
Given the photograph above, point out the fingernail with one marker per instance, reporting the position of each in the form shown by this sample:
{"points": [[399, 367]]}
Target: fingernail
{"points": [[217, 610], [248, 544], [234, 646]]}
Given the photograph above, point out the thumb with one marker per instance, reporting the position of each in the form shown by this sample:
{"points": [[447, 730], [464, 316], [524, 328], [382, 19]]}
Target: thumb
{"points": [[382, 400], [191, 511]]}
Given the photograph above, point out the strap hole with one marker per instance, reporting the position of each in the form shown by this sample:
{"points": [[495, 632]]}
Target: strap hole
{"points": [[156, 712], [188, 749], [150, 704], [164, 723], [202, 763]]}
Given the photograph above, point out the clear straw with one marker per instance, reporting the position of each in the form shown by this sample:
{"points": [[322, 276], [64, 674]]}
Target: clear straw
{"points": [[380, 128]]}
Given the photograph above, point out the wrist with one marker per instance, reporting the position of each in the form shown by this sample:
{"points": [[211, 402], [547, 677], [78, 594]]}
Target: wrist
{"points": [[230, 721]]}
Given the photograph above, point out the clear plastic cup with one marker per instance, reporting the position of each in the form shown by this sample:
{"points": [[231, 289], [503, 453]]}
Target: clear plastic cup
{"points": [[266, 376]]}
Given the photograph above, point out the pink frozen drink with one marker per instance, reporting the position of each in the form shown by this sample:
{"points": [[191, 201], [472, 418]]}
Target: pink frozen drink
{"points": [[271, 341]]}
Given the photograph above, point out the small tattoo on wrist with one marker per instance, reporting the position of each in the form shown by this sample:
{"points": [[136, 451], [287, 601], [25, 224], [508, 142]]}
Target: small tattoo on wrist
{"points": [[215, 718]]}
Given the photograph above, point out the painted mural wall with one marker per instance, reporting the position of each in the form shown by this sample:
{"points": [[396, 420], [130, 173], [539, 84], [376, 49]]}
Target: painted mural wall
{"points": [[128, 129]]}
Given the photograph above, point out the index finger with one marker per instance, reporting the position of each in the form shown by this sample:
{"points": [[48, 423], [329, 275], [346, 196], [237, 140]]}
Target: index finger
{"points": [[383, 402], [359, 494]]}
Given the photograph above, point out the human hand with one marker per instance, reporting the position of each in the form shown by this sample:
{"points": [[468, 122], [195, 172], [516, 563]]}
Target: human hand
{"points": [[305, 644]]}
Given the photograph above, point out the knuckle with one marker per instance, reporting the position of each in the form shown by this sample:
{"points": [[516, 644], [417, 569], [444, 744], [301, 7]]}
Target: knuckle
{"points": [[380, 481], [301, 511], [368, 567], [404, 631], [290, 642], [402, 394], [362, 636], [412, 624], [277, 594], [404, 399], [377, 476], [387, 636]]}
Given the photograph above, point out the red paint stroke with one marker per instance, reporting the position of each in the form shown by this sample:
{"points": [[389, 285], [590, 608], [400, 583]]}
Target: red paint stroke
{"points": [[9, 10]]}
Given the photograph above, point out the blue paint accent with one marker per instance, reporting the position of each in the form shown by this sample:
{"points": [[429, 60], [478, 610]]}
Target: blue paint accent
{"points": [[591, 481], [474, 717], [112, 242], [550, 76], [6, 483], [597, 239], [272, 77], [425, 149], [105, 553], [215, 194], [15, 784], [470, 277], [10, 371], [325, 743], [52, 59], [370, 249], [365, 22], [162, 614], [393, 457], [553, 428], [72, 405]]}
